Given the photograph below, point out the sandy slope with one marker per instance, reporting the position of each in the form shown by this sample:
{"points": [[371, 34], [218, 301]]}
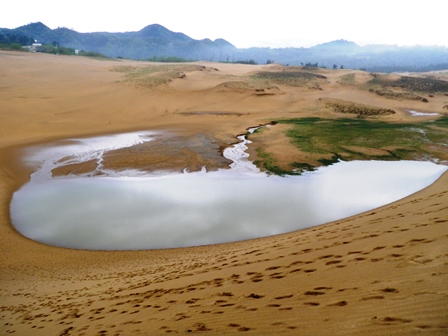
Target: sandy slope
{"points": [[383, 272]]}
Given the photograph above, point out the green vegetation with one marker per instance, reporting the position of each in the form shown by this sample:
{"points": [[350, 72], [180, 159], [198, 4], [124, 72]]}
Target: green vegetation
{"points": [[349, 107], [336, 135], [291, 77], [328, 140], [155, 75], [169, 59], [268, 164], [348, 79], [24, 43], [411, 84], [248, 61], [56, 49], [14, 41], [397, 95]]}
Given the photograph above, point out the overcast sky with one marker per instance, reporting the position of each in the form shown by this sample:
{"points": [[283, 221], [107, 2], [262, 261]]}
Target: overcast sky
{"points": [[248, 23]]}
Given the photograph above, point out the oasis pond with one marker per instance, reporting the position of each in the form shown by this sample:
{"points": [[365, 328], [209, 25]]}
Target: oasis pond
{"points": [[131, 210]]}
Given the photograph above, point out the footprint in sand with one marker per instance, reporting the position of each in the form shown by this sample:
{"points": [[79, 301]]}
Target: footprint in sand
{"points": [[283, 297], [333, 262], [394, 320], [277, 275], [272, 268], [255, 296], [314, 293], [338, 304], [373, 297], [311, 303]]}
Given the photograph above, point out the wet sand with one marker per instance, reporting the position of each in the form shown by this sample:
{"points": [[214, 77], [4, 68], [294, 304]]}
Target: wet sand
{"points": [[381, 272]]}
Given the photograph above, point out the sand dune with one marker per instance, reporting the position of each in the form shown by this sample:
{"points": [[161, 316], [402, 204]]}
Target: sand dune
{"points": [[383, 272]]}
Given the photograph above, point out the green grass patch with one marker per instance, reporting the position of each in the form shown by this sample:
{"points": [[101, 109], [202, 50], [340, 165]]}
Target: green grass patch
{"points": [[411, 84], [348, 79], [154, 75], [331, 140], [336, 136], [291, 78], [267, 163], [170, 59]]}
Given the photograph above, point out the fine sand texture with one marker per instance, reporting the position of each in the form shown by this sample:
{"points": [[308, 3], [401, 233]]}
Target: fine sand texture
{"points": [[383, 272]]}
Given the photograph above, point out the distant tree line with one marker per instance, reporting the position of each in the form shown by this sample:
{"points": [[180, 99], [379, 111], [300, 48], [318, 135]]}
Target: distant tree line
{"points": [[56, 49], [168, 59], [248, 61], [14, 41]]}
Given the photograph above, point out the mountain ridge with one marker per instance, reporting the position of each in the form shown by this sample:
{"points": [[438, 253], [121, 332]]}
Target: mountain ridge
{"points": [[155, 40]]}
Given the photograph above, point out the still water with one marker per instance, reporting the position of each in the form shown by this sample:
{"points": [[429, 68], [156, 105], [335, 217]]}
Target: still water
{"points": [[117, 212]]}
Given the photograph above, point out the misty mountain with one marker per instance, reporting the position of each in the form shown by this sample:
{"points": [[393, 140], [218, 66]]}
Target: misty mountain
{"points": [[156, 40]]}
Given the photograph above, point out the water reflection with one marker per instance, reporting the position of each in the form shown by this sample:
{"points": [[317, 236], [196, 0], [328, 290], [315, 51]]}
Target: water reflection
{"points": [[178, 210], [422, 114]]}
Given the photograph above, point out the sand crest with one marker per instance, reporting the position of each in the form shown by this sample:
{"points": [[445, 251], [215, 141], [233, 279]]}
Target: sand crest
{"points": [[381, 272]]}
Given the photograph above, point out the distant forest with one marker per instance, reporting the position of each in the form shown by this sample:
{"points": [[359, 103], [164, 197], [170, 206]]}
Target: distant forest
{"points": [[156, 43], [14, 41]]}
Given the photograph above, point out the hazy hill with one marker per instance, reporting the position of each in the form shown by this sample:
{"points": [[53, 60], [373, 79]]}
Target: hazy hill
{"points": [[156, 40]]}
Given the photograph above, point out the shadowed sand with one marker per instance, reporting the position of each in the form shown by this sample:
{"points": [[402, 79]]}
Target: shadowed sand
{"points": [[381, 272]]}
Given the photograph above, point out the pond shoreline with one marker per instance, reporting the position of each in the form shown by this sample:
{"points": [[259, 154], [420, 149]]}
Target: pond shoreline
{"points": [[227, 205], [366, 268]]}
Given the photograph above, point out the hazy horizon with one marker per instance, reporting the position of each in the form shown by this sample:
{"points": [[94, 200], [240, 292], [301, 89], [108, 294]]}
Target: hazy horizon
{"points": [[249, 24]]}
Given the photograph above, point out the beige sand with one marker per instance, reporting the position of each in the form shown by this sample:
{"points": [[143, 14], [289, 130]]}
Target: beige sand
{"points": [[382, 272]]}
